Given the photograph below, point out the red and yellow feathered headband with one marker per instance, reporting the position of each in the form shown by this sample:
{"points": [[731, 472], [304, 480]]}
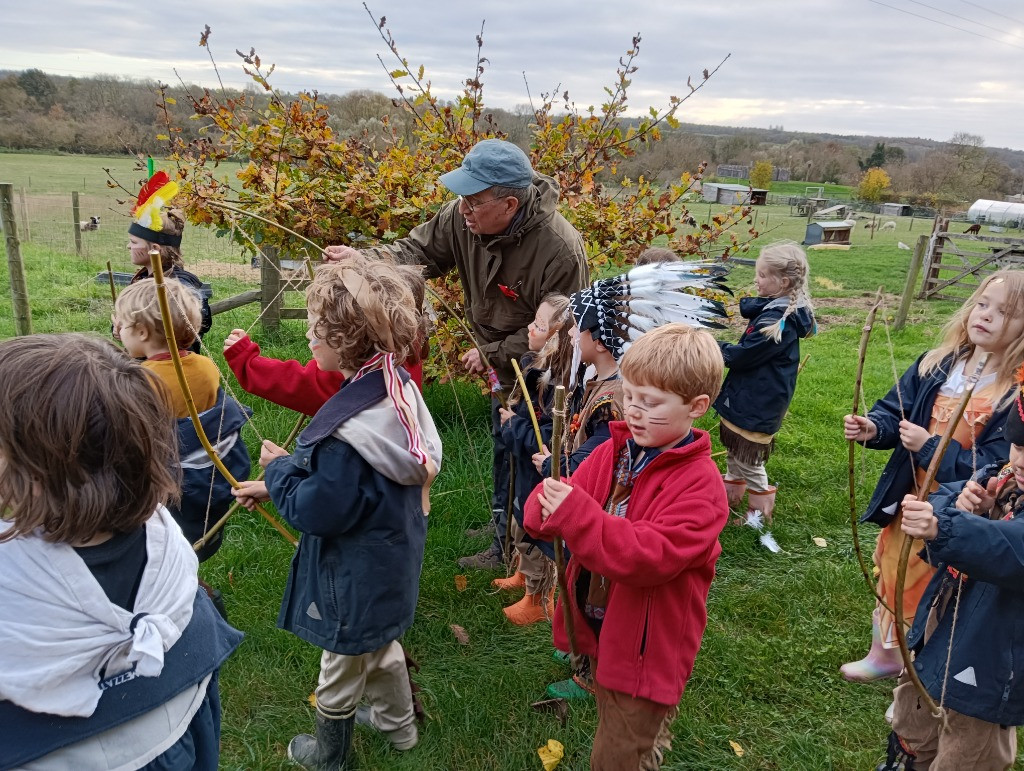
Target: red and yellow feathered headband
{"points": [[155, 194]]}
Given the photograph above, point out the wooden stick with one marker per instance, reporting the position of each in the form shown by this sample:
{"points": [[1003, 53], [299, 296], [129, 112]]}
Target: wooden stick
{"points": [[110, 277], [529, 404], [558, 415], [219, 524], [193, 413]]}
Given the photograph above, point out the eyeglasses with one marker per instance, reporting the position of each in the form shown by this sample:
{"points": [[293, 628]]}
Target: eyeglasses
{"points": [[474, 205]]}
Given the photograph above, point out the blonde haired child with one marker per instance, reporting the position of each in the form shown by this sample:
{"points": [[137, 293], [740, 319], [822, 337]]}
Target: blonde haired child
{"points": [[108, 653], [762, 373], [139, 325], [909, 421], [354, 580], [641, 518], [547, 365], [205, 493]]}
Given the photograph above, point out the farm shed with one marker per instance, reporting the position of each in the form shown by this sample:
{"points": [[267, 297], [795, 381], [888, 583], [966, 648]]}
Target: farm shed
{"points": [[996, 212], [733, 195], [828, 232], [896, 210]]}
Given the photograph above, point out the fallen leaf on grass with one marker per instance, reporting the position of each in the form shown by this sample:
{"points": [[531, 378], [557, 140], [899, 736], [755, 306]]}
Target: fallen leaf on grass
{"points": [[820, 542], [312, 700], [231, 577], [460, 634], [460, 583], [736, 748], [558, 707], [551, 754]]}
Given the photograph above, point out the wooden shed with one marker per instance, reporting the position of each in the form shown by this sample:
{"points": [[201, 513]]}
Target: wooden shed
{"points": [[733, 195], [829, 232], [896, 210]]}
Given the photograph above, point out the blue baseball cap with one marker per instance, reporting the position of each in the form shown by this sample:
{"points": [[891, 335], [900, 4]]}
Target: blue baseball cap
{"points": [[490, 162]]}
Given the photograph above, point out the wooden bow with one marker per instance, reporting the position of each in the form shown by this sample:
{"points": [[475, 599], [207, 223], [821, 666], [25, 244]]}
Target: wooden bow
{"points": [[854, 514], [922, 495], [193, 413], [558, 419]]}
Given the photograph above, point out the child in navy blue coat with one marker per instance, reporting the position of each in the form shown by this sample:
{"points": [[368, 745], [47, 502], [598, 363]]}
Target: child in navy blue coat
{"points": [[967, 635], [762, 373], [357, 489]]}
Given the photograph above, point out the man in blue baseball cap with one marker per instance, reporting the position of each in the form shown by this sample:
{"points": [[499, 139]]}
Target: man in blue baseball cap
{"points": [[511, 247]]}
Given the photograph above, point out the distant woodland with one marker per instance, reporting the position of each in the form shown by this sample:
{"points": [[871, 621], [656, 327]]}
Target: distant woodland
{"points": [[111, 115]]}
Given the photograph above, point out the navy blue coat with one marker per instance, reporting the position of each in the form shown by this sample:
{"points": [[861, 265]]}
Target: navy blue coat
{"points": [[205, 493], [204, 645], [898, 476], [762, 373], [354, 579], [983, 680]]}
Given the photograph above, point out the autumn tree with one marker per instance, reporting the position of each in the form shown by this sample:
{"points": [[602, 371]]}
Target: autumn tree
{"points": [[761, 174], [873, 185], [376, 185]]}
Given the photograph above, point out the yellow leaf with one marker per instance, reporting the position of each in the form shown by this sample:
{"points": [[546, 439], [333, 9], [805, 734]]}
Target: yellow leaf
{"points": [[820, 542], [551, 754], [460, 583], [312, 700], [736, 748]]}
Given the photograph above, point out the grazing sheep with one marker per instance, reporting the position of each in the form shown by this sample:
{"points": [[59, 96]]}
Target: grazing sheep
{"points": [[93, 223], [974, 229], [890, 225]]}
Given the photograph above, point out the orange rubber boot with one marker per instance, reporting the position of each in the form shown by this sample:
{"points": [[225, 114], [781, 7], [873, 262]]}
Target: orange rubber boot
{"points": [[515, 581], [531, 609]]}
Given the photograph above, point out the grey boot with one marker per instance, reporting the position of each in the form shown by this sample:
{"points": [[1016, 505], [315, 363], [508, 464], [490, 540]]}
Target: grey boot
{"points": [[328, 750]]}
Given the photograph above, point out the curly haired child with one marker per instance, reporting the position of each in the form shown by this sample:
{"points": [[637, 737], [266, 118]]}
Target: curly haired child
{"points": [[910, 419], [109, 654], [762, 373], [354, 580]]}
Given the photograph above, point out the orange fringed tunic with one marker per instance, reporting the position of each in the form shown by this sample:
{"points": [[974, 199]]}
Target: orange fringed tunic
{"points": [[890, 539]]}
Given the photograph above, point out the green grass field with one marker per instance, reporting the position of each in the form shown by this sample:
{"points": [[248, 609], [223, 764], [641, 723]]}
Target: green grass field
{"points": [[779, 625]]}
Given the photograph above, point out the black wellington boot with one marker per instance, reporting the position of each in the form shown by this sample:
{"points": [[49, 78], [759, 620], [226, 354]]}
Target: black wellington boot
{"points": [[328, 750]]}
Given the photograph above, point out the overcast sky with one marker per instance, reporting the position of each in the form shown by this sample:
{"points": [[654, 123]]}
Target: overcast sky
{"points": [[884, 67]]}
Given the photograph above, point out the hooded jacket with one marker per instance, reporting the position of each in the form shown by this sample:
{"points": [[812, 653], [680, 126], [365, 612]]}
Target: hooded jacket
{"points": [[355, 492], [660, 559], [978, 671], [541, 253], [762, 373], [916, 393]]}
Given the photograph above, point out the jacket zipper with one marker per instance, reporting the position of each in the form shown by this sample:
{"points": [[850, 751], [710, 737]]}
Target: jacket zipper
{"points": [[643, 641]]}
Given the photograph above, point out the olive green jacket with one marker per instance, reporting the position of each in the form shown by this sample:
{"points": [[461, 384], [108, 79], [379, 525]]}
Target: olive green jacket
{"points": [[541, 253]]}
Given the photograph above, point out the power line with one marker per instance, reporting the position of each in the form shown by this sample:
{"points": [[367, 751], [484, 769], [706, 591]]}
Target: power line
{"points": [[964, 18], [944, 24], [994, 13]]}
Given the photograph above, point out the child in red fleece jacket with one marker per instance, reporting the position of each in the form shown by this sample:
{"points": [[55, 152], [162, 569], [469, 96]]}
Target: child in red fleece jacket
{"points": [[642, 517], [306, 388]]}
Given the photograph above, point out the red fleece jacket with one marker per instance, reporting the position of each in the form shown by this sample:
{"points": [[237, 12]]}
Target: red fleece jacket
{"points": [[300, 387], [660, 559]]}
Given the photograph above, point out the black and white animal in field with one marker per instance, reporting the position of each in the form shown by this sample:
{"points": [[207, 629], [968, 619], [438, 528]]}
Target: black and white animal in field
{"points": [[93, 223]]}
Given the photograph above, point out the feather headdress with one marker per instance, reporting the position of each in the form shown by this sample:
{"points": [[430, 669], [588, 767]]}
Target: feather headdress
{"points": [[617, 311], [155, 194]]}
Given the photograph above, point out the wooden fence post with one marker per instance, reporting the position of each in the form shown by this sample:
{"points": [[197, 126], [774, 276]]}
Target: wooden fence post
{"points": [[15, 266], [908, 289], [27, 231], [75, 219], [271, 296]]}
